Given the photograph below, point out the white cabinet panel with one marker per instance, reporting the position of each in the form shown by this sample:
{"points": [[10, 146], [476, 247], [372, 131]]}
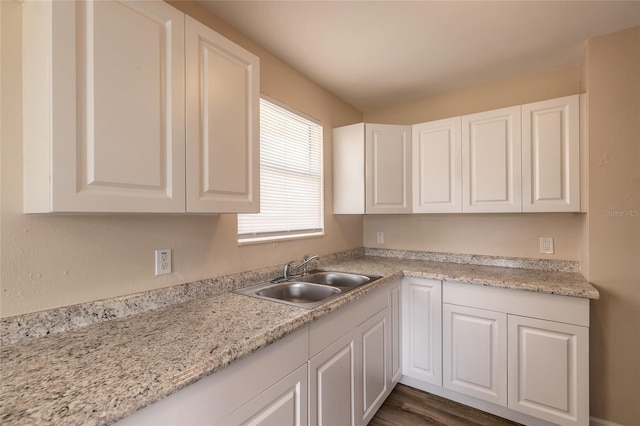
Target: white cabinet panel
{"points": [[388, 168], [373, 338], [283, 404], [104, 127], [491, 151], [475, 352], [332, 383], [348, 169], [549, 370], [223, 89], [422, 329], [437, 166], [371, 169], [395, 307], [551, 155]]}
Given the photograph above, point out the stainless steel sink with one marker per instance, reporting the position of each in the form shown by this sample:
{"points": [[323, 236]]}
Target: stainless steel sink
{"points": [[337, 279], [298, 292], [310, 290]]}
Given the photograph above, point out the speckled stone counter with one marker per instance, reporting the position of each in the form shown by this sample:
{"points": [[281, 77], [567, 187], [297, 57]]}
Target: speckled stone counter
{"points": [[102, 372], [542, 281]]}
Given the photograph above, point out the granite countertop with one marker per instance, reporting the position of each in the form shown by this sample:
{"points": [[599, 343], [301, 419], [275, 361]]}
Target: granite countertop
{"points": [[103, 372], [542, 281]]}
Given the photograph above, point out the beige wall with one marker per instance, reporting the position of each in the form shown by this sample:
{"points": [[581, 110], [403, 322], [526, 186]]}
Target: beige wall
{"points": [[511, 235], [490, 234], [614, 241], [504, 93], [49, 261]]}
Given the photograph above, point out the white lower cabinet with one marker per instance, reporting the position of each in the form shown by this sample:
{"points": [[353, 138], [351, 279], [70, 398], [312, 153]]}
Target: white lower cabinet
{"points": [[518, 354], [336, 371], [283, 404], [333, 383], [373, 339], [350, 368], [395, 310], [422, 330], [549, 370], [475, 352]]}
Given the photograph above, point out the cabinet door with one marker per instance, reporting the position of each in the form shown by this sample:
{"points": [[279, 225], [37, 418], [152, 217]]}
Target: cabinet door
{"points": [[551, 155], [395, 307], [332, 384], [549, 370], [223, 89], [373, 340], [105, 126], [437, 166], [422, 329], [348, 169], [283, 404], [475, 352], [491, 172], [388, 168]]}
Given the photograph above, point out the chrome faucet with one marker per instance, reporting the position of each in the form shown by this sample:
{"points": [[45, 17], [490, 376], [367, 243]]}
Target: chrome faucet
{"points": [[289, 268]]}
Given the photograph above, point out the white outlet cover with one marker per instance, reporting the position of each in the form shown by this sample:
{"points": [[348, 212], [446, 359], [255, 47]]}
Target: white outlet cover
{"points": [[546, 245], [163, 261]]}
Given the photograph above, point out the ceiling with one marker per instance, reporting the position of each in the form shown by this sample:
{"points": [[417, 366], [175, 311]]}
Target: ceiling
{"points": [[379, 53]]}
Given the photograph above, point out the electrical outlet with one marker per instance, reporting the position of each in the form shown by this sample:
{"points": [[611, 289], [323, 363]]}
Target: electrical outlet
{"points": [[380, 237], [163, 261], [546, 245]]}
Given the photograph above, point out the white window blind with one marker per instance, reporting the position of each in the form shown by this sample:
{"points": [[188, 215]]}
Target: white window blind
{"points": [[290, 177]]}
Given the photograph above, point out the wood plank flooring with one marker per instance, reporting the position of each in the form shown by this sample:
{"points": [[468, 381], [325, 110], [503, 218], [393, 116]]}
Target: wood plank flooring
{"points": [[407, 406]]}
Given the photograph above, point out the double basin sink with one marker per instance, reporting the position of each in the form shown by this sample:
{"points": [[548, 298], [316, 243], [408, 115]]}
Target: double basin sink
{"points": [[310, 290]]}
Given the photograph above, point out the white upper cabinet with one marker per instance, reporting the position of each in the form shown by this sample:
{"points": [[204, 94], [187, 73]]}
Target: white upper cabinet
{"points": [[223, 142], [372, 169], [103, 107], [388, 168], [491, 150], [105, 95], [551, 155], [348, 169], [437, 168]]}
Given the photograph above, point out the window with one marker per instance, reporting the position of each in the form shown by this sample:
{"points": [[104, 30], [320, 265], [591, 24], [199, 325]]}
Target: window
{"points": [[290, 178]]}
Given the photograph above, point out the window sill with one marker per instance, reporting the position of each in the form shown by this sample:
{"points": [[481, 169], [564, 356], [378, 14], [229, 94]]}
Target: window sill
{"points": [[275, 238]]}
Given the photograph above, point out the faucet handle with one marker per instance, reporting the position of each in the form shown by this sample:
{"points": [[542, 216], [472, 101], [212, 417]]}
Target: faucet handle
{"points": [[287, 269]]}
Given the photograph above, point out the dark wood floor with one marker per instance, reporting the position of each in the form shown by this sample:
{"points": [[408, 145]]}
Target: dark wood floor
{"points": [[407, 406]]}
